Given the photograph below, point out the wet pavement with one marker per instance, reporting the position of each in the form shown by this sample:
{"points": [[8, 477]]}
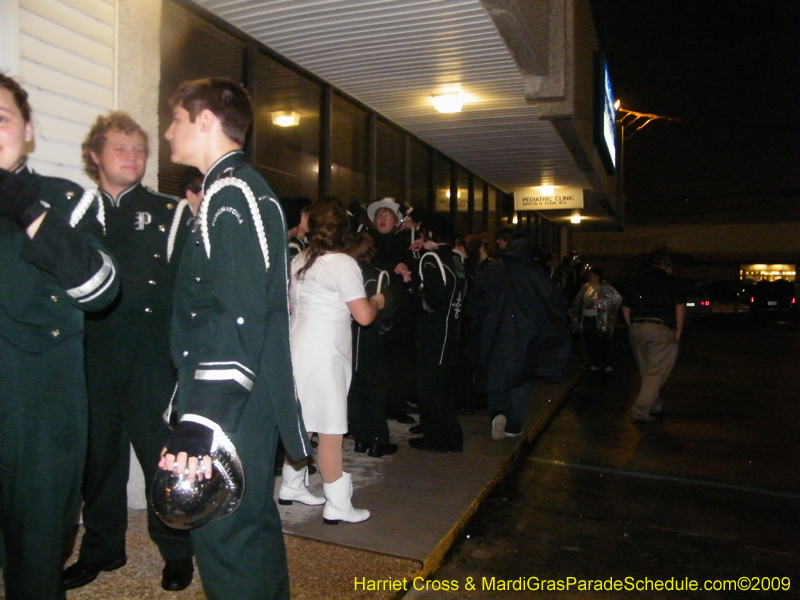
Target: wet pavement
{"points": [[710, 493]]}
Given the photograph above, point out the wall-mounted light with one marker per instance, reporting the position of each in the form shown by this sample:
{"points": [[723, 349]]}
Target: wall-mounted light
{"points": [[285, 118], [515, 219], [448, 103], [575, 217]]}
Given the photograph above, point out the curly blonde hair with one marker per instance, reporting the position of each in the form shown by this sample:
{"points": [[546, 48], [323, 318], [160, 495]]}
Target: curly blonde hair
{"points": [[96, 138]]}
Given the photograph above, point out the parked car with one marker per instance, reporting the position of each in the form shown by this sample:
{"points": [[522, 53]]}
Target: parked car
{"points": [[729, 296], [774, 297], [698, 304]]}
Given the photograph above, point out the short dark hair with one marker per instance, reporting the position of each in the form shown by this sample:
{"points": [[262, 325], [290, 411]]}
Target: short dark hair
{"points": [[228, 100], [504, 233], [19, 94], [191, 180], [438, 227], [95, 140], [597, 271]]}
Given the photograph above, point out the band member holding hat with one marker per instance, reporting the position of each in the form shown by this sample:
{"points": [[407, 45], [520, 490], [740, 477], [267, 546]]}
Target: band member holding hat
{"points": [[230, 341]]}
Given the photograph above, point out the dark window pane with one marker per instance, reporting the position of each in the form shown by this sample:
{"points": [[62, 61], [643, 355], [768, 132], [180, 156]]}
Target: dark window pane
{"points": [[390, 168], [478, 222], [190, 48], [441, 179], [420, 174], [461, 223], [348, 151], [287, 156]]}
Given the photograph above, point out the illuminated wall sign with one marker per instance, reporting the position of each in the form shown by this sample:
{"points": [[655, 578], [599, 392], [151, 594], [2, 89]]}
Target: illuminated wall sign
{"points": [[605, 115], [531, 198]]}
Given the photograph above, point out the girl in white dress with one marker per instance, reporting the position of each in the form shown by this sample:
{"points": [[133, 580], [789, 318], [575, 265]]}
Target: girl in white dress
{"points": [[326, 289]]}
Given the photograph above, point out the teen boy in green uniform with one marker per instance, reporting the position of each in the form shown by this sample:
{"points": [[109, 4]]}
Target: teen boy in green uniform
{"points": [[129, 371], [230, 341]]}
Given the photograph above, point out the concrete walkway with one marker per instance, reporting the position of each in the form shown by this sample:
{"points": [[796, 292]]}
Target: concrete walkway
{"points": [[419, 502]]}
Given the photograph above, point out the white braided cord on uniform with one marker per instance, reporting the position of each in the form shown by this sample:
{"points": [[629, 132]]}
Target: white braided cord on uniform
{"points": [[438, 260], [251, 203], [83, 206], [173, 230], [382, 276]]}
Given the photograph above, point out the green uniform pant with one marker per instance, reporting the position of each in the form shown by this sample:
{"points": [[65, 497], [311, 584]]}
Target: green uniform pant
{"points": [[43, 433], [369, 390], [130, 380], [243, 557]]}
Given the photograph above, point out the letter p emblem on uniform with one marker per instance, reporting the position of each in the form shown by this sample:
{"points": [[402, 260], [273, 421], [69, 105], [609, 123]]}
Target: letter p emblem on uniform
{"points": [[143, 219]]}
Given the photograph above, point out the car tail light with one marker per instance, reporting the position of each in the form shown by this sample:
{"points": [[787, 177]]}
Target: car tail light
{"points": [[706, 303], [752, 300]]}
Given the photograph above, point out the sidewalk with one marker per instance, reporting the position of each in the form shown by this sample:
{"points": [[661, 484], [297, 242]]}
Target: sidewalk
{"points": [[419, 502]]}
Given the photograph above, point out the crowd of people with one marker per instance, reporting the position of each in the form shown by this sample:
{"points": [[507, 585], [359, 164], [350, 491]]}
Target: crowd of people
{"points": [[231, 314]]}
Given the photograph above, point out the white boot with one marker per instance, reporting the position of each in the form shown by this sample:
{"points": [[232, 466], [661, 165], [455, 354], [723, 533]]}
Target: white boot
{"points": [[339, 508], [293, 487]]}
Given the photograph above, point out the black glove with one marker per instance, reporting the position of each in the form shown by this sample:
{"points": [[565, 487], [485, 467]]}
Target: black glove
{"points": [[190, 437], [18, 201]]}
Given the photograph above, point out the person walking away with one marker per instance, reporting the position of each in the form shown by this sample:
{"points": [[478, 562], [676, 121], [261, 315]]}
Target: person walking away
{"points": [[519, 330], [594, 313], [654, 307]]}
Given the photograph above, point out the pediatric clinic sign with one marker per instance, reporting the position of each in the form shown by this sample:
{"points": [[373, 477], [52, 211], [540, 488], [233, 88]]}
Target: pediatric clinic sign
{"points": [[532, 198]]}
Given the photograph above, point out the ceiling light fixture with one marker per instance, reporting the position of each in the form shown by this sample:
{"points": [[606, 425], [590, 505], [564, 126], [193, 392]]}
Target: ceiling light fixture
{"points": [[448, 103], [576, 217], [547, 190], [285, 118]]}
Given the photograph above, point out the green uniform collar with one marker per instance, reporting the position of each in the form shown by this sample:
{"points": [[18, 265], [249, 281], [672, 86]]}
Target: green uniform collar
{"points": [[226, 164]]}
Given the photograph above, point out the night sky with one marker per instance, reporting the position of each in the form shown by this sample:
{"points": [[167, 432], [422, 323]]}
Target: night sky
{"points": [[730, 70]]}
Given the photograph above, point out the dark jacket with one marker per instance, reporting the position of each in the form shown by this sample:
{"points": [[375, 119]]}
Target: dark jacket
{"points": [[519, 326], [654, 295], [50, 281], [230, 327], [443, 288]]}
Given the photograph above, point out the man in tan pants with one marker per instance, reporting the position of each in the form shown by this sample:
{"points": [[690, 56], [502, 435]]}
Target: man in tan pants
{"points": [[654, 308]]}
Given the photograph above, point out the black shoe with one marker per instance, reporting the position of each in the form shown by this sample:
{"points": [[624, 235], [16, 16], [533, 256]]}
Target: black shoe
{"points": [[177, 574], [378, 450], [401, 417], [416, 429], [361, 447], [427, 445], [81, 573]]}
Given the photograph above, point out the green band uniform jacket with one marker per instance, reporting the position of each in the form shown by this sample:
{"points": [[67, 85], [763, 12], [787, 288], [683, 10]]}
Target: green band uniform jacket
{"points": [[47, 285], [230, 336]]}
